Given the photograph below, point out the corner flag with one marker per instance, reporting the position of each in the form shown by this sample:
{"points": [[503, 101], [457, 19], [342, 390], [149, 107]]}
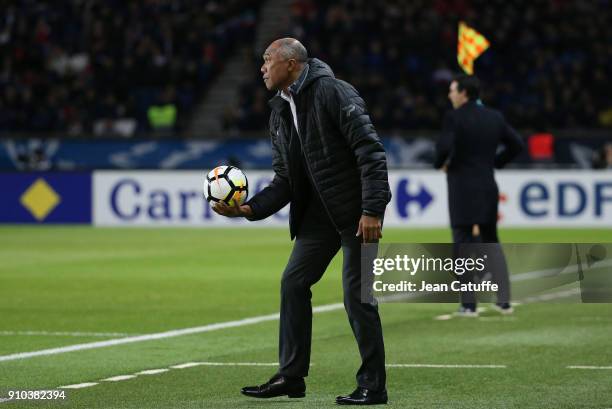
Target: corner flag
{"points": [[469, 47]]}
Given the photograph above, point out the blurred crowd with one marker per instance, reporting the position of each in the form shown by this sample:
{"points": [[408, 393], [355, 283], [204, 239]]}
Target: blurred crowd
{"points": [[123, 68], [602, 158], [549, 65], [112, 67]]}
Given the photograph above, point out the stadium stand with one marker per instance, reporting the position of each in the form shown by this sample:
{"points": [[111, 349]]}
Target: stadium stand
{"points": [[548, 68], [112, 68]]}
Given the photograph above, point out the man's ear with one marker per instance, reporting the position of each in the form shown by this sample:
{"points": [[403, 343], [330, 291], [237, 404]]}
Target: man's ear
{"points": [[292, 65]]}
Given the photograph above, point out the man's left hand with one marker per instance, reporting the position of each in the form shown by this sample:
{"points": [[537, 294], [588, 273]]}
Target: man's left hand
{"points": [[234, 210], [370, 228]]}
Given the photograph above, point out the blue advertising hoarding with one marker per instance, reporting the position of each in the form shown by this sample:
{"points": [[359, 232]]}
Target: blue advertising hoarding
{"points": [[42, 197]]}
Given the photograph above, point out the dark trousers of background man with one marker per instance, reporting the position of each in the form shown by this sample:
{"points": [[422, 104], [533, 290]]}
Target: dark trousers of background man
{"points": [[495, 263], [317, 242]]}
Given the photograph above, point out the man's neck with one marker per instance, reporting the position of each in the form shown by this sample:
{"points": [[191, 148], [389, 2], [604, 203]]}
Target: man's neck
{"points": [[462, 104], [293, 79]]}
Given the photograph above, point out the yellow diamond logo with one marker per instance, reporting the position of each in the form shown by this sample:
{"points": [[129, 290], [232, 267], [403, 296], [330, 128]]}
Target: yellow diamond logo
{"points": [[40, 199]]}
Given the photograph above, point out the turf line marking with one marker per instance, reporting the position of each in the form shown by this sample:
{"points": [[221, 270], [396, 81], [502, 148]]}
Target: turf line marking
{"points": [[240, 363], [444, 366], [65, 333], [78, 385], [552, 296], [588, 367], [119, 378], [152, 371], [161, 335], [553, 272], [141, 338], [326, 308], [167, 334], [187, 365]]}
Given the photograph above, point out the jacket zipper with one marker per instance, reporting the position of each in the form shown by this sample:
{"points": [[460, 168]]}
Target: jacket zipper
{"points": [[310, 174]]}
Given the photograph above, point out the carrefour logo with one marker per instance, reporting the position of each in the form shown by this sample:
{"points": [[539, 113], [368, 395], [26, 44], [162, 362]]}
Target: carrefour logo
{"points": [[128, 202], [40, 199], [405, 196], [141, 198]]}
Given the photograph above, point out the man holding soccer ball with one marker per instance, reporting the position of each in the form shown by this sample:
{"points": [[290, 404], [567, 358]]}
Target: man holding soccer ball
{"points": [[331, 166]]}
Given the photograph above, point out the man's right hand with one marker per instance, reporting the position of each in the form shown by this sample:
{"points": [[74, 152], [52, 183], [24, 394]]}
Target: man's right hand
{"points": [[236, 210]]}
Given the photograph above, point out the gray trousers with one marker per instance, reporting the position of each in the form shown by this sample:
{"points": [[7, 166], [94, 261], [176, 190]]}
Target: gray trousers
{"points": [[317, 242]]}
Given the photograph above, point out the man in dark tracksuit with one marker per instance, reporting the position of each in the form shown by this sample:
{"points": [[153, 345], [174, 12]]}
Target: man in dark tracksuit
{"points": [[331, 166], [468, 151]]}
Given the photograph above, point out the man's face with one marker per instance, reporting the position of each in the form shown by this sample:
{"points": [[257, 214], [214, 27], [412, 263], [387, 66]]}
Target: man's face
{"points": [[275, 69], [456, 98]]}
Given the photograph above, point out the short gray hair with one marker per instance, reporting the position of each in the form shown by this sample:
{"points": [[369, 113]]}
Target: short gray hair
{"points": [[291, 48]]}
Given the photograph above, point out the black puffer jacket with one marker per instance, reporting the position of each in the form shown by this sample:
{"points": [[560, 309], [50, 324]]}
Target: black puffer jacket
{"points": [[344, 157]]}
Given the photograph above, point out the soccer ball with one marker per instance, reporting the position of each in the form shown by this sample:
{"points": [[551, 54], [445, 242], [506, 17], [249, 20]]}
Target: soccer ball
{"points": [[227, 184]]}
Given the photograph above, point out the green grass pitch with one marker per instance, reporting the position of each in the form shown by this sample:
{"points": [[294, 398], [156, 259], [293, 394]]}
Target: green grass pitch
{"points": [[62, 286]]}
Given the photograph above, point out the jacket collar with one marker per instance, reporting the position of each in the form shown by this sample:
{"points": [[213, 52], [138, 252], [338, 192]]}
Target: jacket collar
{"points": [[295, 88], [314, 70], [277, 102]]}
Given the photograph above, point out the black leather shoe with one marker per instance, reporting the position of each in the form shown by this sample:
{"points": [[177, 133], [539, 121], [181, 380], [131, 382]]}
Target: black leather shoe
{"points": [[363, 396], [277, 386]]}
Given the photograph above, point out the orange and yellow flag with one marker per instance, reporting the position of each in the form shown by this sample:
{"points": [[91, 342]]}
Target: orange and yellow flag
{"points": [[469, 47]]}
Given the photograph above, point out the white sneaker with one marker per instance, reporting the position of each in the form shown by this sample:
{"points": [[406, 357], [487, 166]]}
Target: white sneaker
{"points": [[503, 308], [466, 312]]}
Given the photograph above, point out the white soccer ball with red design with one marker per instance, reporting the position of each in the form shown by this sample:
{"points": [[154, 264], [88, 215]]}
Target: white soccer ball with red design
{"points": [[227, 184]]}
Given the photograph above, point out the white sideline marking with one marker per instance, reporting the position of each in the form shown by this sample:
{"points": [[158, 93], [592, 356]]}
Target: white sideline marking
{"points": [[186, 331], [65, 333], [588, 367], [552, 296], [240, 363], [442, 366], [161, 335], [140, 338], [187, 365], [192, 364], [572, 269], [79, 385], [152, 371], [119, 378], [327, 308]]}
